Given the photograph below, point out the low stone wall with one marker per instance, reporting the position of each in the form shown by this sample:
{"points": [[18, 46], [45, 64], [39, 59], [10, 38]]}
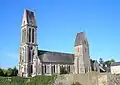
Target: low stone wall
{"points": [[113, 79], [84, 79], [92, 78], [102, 79]]}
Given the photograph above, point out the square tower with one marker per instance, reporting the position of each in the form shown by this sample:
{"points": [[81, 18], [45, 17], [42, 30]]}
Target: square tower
{"points": [[28, 45], [81, 55]]}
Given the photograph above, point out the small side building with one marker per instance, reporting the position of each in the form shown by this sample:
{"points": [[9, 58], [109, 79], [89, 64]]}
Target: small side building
{"points": [[115, 68]]}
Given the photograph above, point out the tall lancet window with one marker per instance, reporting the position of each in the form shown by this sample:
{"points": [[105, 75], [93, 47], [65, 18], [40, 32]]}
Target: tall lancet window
{"points": [[23, 35], [31, 69], [23, 56], [32, 35], [29, 34], [30, 56], [20, 54]]}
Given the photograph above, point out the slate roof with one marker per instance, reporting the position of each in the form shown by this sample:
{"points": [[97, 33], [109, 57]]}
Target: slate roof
{"points": [[55, 57], [79, 38], [29, 17], [115, 64]]}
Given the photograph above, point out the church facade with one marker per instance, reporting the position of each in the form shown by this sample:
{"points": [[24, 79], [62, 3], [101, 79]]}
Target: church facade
{"points": [[34, 62]]}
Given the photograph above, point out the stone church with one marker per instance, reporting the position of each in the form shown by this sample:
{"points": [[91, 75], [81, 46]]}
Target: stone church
{"points": [[34, 62]]}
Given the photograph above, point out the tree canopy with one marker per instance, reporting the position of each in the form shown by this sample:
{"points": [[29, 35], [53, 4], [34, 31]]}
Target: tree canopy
{"points": [[1, 72], [8, 72], [106, 64]]}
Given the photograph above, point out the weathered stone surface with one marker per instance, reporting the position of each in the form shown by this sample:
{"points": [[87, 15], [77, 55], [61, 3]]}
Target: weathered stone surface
{"points": [[61, 80], [114, 79], [92, 78]]}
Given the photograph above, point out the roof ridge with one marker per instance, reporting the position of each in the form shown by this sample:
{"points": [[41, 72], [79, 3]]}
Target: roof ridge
{"points": [[56, 52]]}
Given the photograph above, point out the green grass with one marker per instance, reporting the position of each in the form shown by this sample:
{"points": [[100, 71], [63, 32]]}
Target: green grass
{"points": [[38, 80]]}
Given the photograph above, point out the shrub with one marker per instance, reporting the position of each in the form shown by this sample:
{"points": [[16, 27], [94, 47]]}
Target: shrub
{"points": [[63, 71], [1, 72], [10, 72]]}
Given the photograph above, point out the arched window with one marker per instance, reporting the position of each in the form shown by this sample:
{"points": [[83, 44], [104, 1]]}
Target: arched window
{"points": [[84, 42], [85, 49], [29, 34], [29, 53], [42, 69], [23, 54], [23, 35], [33, 35], [45, 68], [68, 68], [54, 69], [32, 54], [31, 69]]}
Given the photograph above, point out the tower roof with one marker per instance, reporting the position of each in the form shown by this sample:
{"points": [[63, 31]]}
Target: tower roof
{"points": [[80, 37], [28, 18]]}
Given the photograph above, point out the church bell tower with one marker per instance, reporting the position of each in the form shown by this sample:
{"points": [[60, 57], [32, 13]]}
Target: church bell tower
{"points": [[28, 45], [81, 55]]}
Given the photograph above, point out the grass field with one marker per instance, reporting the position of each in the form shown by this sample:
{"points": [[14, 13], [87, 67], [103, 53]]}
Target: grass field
{"points": [[38, 80]]}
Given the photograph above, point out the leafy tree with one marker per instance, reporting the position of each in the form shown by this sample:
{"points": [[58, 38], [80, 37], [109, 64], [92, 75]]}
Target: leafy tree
{"points": [[101, 61], [108, 64], [10, 72], [1, 72], [15, 71], [5, 72], [112, 61]]}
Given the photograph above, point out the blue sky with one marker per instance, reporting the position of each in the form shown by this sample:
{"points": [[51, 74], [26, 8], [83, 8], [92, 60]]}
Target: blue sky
{"points": [[58, 22]]}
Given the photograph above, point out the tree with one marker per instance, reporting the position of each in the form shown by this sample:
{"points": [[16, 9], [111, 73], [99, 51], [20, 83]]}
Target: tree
{"points": [[15, 71], [108, 64], [1, 72], [10, 72], [112, 61], [101, 61], [5, 72]]}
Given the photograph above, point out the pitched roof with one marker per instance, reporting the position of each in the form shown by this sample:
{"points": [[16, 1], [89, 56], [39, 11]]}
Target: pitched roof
{"points": [[79, 38], [28, 17], [55, 57], [115, 64]]}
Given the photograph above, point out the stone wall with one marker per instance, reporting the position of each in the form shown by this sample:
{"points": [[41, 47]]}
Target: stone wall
{"points": [[102, 79], [92, 78], [84, 79], [113, 79]]}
